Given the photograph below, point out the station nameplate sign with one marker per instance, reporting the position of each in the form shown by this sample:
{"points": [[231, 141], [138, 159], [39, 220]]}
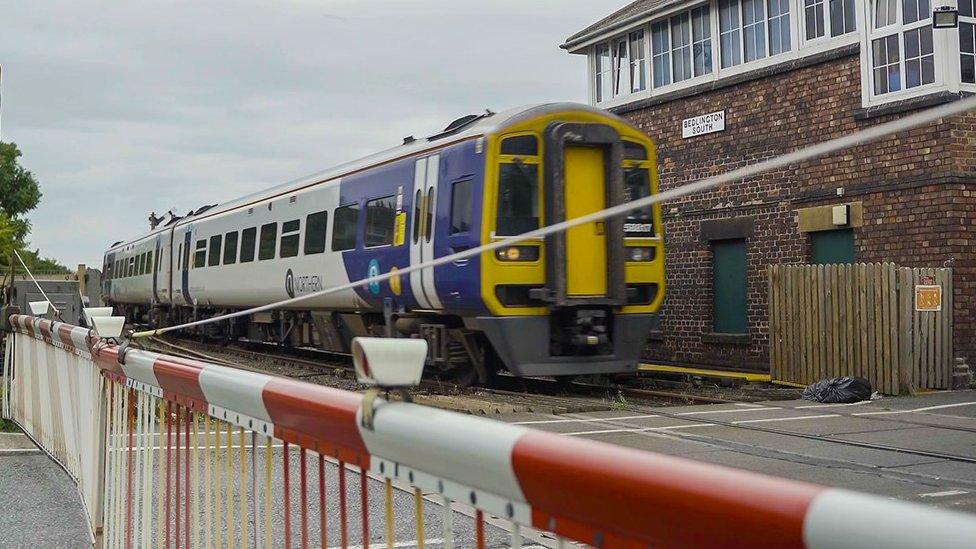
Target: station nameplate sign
{"points": [[928, 297], [701, 125]]}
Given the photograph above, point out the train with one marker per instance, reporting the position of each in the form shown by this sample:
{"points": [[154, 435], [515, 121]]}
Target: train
{"points": [[568, 304]]}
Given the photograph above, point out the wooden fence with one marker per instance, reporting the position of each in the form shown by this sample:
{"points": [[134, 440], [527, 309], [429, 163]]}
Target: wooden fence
{"points": [[861, 319]]}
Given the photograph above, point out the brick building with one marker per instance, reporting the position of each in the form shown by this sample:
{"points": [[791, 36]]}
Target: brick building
{"points": [[783, 74]]}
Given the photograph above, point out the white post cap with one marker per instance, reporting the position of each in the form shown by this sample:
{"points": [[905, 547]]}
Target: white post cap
{"points": [[108, 326], [389, 362]]}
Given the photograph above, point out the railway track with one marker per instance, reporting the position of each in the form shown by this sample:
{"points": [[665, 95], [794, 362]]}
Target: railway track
{"points": [[511, 394]]}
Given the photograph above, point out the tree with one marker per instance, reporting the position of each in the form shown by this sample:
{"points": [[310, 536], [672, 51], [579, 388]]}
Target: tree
{"points": [[19, 192]]}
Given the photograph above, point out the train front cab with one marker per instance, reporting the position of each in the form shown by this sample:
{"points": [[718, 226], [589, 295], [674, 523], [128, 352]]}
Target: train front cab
{"points": [[578, 302]]}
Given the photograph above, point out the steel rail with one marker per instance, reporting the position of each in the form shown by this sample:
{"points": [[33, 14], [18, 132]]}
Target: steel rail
{"points": [[808, 153]]}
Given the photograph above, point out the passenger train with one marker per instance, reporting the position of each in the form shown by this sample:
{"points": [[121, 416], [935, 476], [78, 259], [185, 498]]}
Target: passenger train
{"points": [[572, 303]]}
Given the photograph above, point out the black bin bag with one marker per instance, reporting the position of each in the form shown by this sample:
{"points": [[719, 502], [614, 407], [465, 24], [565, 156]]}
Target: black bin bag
{"points": [[839, 390]]}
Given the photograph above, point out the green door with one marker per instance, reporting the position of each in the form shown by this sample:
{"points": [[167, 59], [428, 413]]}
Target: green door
{"points": [[835, 246], [729, 286]]}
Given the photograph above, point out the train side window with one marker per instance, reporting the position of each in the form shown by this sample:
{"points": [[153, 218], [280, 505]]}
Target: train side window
{"points": [[518, 198], [461, 207], [230, 248], [200, 257], [380, 221], [248, 241], [416, 218], [132, 266], [521, 145], [429, 227], [215, 245], [145, 263], [269, 237], [290, 232], [150, 267], [140, 264], [344, 227], [315, 227]]}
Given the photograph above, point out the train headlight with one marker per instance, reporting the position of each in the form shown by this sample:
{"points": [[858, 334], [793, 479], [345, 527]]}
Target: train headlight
{"points": [[635, 253], [518, 253]]}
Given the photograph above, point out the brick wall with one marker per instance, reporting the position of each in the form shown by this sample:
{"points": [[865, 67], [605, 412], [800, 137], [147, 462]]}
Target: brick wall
{"points": [[914, 187]]}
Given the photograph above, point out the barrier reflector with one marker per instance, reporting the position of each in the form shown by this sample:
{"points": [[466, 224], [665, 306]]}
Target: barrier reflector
{"points": [[170, 452]]}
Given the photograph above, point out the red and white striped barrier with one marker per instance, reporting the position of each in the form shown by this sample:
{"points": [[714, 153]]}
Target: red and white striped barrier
{"points": [[590, 492]]}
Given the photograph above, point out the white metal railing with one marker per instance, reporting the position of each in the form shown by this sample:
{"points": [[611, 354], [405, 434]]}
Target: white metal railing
{"points": [[171, 452]]}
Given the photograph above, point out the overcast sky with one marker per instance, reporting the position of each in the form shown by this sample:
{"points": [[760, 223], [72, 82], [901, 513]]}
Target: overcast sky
{"points": [[124, 108]]}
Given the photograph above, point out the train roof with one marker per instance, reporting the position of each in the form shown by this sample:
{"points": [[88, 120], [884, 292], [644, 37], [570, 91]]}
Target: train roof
{"points": [[461, 129]]}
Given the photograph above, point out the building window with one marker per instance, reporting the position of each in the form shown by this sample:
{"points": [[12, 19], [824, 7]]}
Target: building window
{"points": [[753, 30], [290, 235], [887, 66], [248, 241], [904, 57], [681, 47], [729, 286], [315, 227], [836, 246], [638, 64], [730, 33], [919, 57], [603, 72], [380, 221], [214, 256], [779, 26], [621, 68], [967, 40], [750, 30], [200, 257], [841, 20], [461, 211], [661, 43], [269, 237], [230, 248], [344, 227], [701, 40]]}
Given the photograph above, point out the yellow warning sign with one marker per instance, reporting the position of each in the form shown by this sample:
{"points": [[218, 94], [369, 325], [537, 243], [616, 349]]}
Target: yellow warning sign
{"points": [[400, 229], [928, 297]]}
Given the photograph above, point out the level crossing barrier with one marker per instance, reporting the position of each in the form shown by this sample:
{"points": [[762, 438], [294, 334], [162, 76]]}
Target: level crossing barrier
{"points": [[170, 452]]}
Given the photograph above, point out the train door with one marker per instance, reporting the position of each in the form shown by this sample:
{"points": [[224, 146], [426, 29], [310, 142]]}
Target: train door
{"points": [[584, 174], [157, 260], [185, 266], [586, 245], [422, 233]]}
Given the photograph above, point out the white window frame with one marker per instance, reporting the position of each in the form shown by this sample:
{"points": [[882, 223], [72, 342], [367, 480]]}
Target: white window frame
{"points": [[941, 45], [828, 23], [799, 48], [620, 66], [638, 62], [968, 86]]}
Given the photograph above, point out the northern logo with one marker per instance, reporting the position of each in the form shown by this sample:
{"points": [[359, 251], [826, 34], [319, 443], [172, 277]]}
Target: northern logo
{"points": [[290, 283]]}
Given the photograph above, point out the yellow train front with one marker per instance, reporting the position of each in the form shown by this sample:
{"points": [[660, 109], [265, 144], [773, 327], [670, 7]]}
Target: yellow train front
{"points": [[578, 302]]}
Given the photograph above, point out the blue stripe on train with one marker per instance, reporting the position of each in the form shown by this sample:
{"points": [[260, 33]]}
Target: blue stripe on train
{"points": [[458, 286]]}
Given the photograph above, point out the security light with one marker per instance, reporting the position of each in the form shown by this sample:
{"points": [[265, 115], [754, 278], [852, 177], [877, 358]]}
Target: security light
{"points": [[945, 17]]}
